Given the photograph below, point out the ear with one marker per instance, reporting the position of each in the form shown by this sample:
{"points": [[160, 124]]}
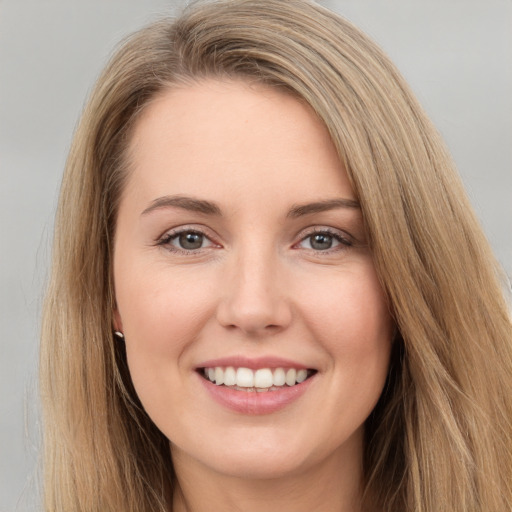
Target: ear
{"points": [[118, 323]]}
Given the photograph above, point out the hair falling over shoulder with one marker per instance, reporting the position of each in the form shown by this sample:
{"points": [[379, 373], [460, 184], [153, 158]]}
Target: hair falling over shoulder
{"points": [[440, 437]]}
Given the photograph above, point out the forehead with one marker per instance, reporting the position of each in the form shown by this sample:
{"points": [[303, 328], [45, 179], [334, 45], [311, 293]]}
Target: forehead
{"points": [[233, 140]]}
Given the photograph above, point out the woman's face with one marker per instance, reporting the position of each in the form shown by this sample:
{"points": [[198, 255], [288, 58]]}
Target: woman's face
{"points": [[240, 257]]}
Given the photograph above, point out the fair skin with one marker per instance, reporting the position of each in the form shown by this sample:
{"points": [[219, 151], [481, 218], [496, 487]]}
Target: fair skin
{"points": [[272, 272]]}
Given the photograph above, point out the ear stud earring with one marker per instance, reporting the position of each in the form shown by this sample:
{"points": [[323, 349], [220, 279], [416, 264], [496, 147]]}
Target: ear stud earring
{"points": [[119, 334]]}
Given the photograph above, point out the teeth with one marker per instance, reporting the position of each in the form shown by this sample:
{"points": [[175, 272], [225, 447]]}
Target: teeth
{"points": [[262, 379], [244, 377], [219, 376], [301, 375], [229, 376], [290, 377], [279, 377]]}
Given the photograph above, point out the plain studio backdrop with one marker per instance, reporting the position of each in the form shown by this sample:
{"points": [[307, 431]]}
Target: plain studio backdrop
{"points": [[456, 55]]}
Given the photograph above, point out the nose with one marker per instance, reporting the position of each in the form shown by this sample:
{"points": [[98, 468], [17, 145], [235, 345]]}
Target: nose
{"points": [[254, 296]]}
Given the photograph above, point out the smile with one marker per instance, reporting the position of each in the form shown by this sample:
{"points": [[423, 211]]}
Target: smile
{"points": [[255, 386], [259, 380]]}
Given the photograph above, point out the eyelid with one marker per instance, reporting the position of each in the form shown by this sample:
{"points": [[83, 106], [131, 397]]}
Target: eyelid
{"points": [[165, 238], [345, 239]]}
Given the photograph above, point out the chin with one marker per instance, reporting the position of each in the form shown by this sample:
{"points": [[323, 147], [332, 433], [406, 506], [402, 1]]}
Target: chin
{"points": [[259, 454], [259, 466]]}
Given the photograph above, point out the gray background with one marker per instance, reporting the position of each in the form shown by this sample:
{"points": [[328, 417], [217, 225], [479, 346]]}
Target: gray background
{"points": [[456, 54]]}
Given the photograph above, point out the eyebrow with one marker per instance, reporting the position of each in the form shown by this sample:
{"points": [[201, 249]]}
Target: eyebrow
{"points": [[184, 202], [322, 206], [211, 208]]}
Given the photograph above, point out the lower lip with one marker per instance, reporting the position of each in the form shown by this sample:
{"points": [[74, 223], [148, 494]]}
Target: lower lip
{"points": [[254, 402]]}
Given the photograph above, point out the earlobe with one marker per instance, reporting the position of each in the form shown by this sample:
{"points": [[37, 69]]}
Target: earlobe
{"points": [[118, 324]]}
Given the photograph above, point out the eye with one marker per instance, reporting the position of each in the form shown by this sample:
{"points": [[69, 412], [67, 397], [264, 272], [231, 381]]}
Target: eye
{"points": [[320, 241], [324, 240], [188, 240]]}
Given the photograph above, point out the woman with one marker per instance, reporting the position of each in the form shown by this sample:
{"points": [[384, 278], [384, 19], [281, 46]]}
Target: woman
{"points": [[269, 291]]}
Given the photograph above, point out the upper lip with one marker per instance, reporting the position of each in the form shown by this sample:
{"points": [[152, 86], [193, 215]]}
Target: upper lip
{"points": [[254, 363]]}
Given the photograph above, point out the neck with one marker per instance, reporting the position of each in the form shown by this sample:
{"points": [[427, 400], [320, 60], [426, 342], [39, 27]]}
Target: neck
{"points": [[332, 484]]}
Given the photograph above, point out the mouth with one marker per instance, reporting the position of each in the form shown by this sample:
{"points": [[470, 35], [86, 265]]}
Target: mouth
{"points": [[259, 380]]}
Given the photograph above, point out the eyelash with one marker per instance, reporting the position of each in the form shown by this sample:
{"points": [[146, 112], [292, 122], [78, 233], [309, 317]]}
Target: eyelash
{"points": [[165, 241], [345, 241]]}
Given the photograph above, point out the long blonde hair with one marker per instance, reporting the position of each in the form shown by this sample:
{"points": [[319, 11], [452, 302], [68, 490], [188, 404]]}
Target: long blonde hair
{"points": [[440, 437]]}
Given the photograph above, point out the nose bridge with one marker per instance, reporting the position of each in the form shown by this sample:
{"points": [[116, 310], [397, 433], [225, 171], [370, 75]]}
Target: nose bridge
{"points": [[253, 299]]}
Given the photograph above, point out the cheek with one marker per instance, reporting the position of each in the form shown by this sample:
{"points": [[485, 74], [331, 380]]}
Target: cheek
{"points": [[162, 313], [162, 309], [351, 320], [350, 309]]}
